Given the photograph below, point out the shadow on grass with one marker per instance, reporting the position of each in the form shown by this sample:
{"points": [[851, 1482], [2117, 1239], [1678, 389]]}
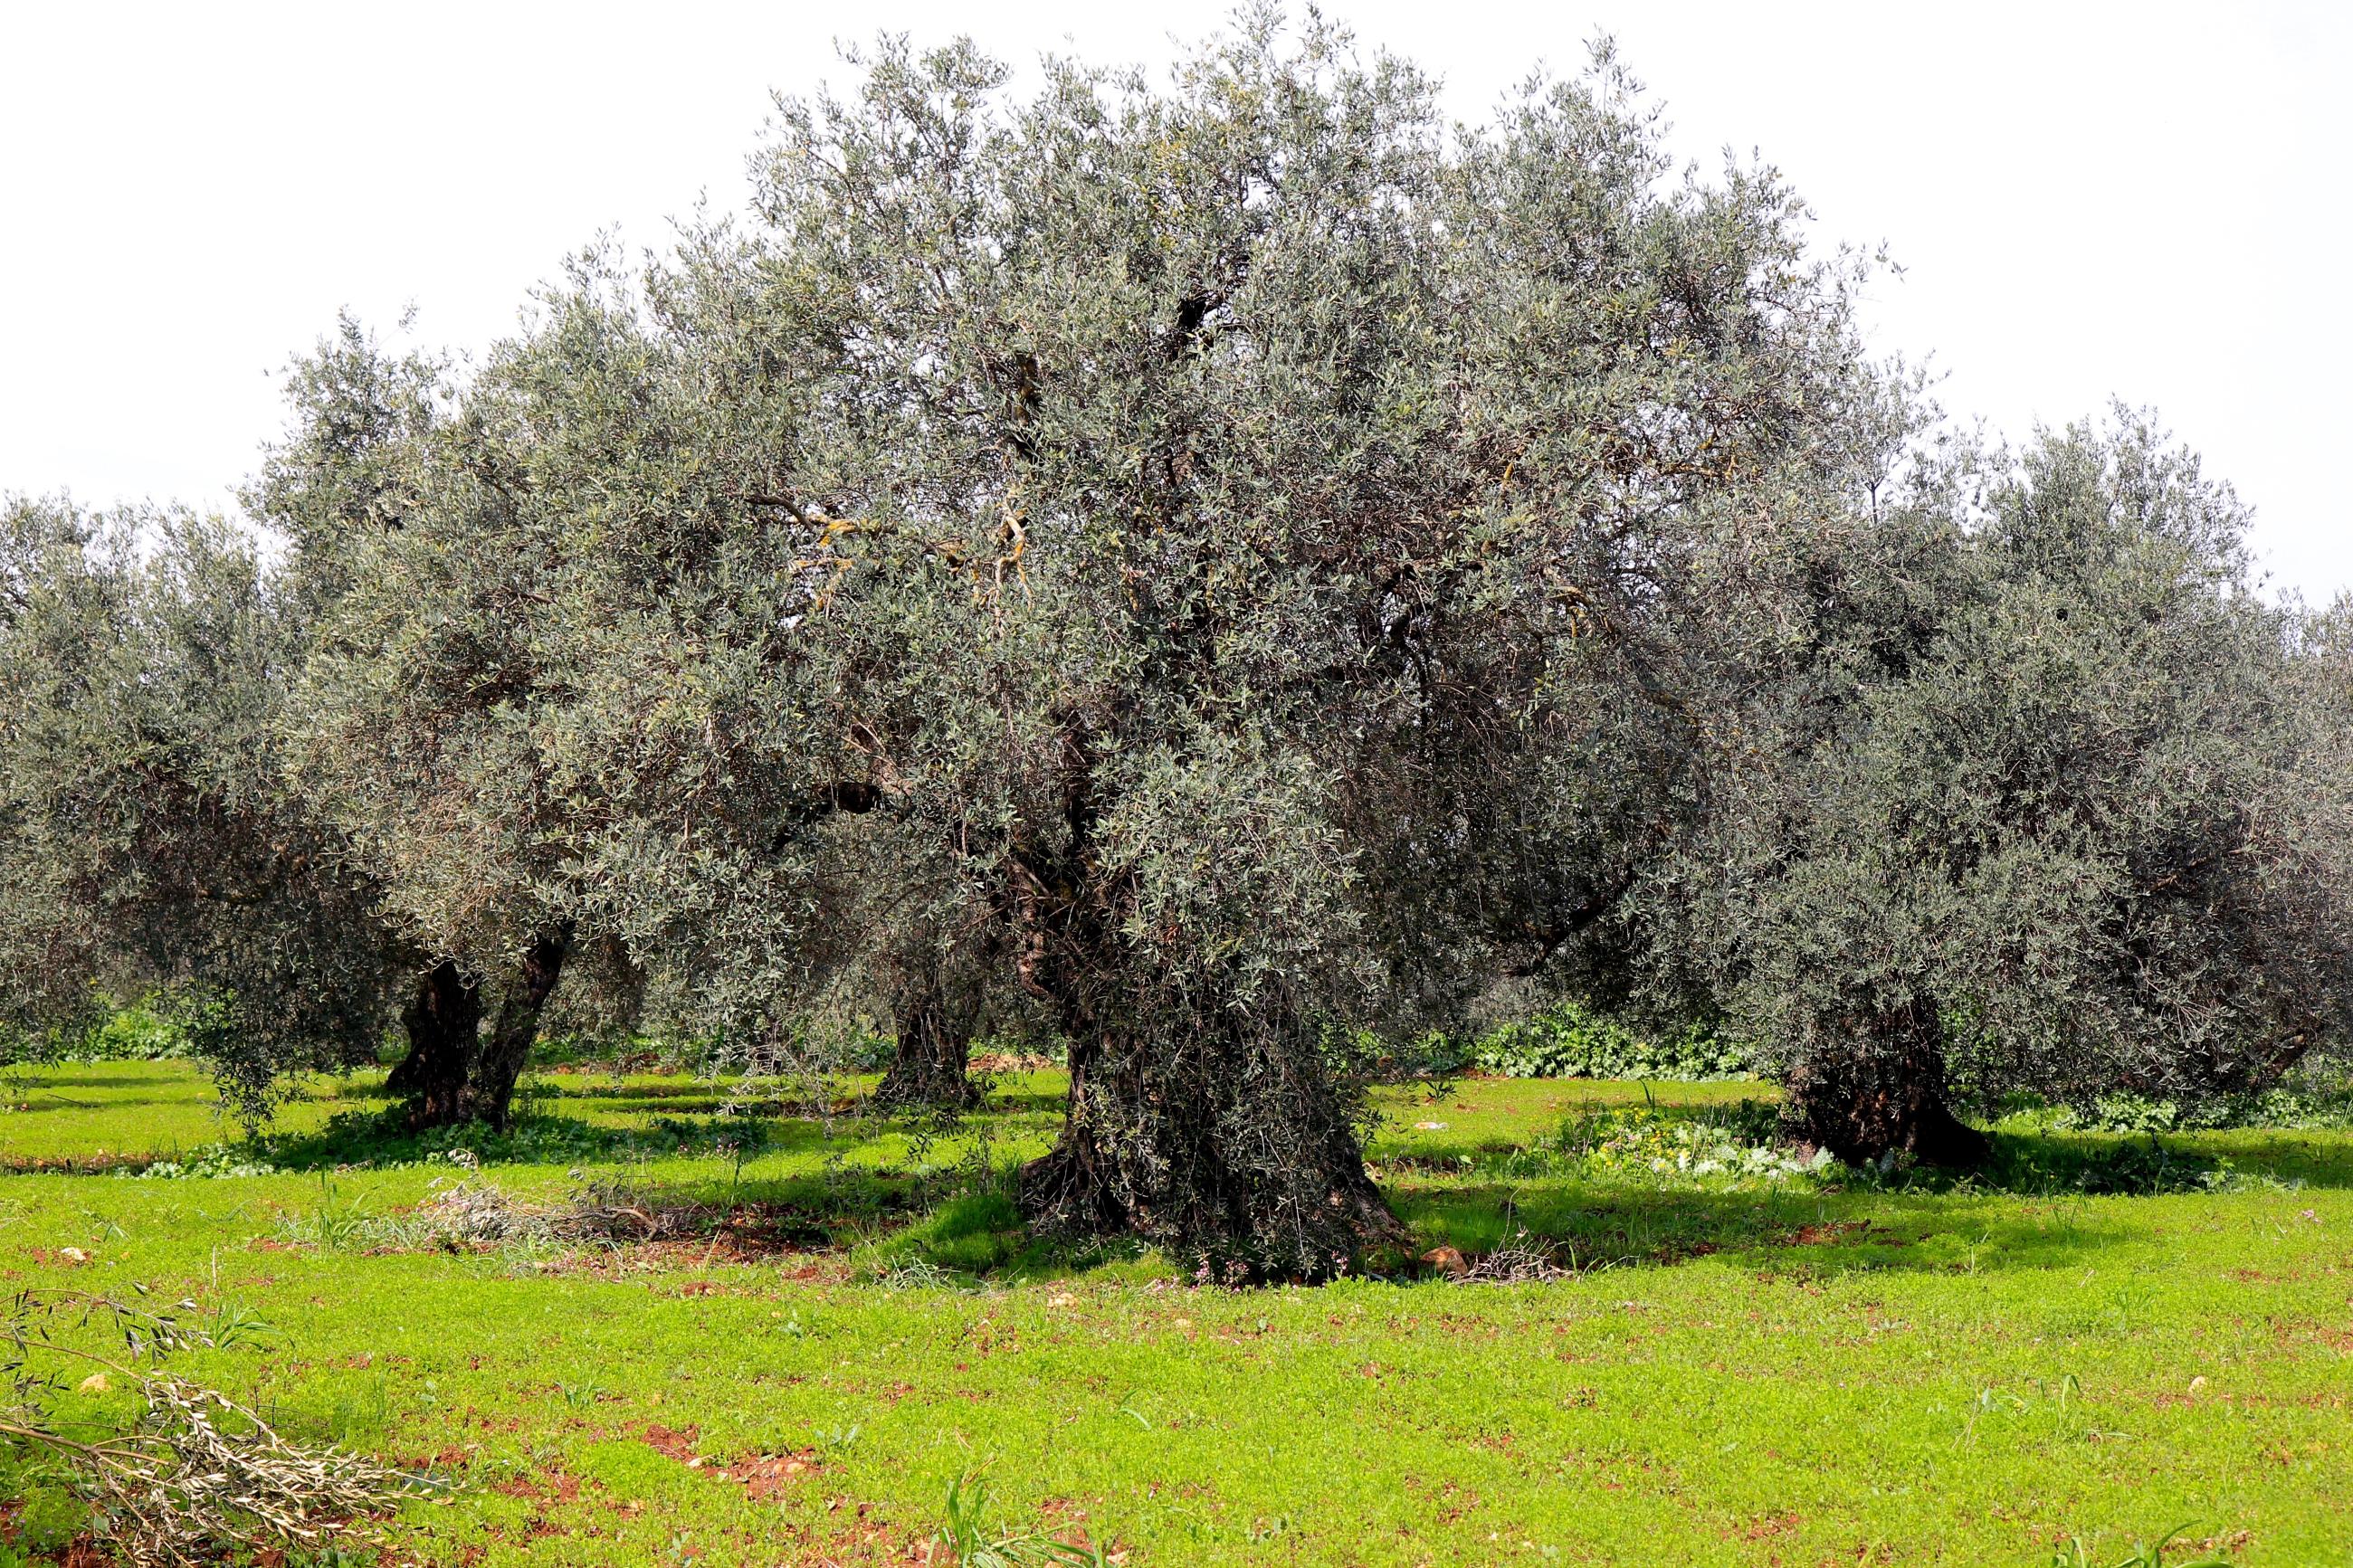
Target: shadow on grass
{"points": [[58, 1091], [1559, 1196], [383, 1138], [1580, 1229], [2024, 1163], [691, 1090], [44, 1102], [1577, 1201]]}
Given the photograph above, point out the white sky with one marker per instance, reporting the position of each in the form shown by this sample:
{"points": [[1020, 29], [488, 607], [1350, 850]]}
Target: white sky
{"points": [[2145, 201]]}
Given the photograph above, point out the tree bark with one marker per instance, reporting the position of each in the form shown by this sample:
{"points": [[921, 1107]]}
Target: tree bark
{"points": [[442, 1019], [930, 1069], [490, 1096], [1873, 1084], [1227, 1147], [1201, 1122]]}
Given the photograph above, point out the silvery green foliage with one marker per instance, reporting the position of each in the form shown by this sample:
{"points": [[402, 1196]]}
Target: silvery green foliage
{"points": [[146, 841], [416, 776], [2079, 812], [1272, 552]]}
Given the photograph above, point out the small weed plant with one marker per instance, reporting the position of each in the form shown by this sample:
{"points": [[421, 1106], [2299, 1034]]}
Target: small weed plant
{"points": [[966, 1533]]}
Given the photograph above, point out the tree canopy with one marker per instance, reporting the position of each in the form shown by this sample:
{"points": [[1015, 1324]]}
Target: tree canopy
{"points": [[146, 837], [2082, 828]]}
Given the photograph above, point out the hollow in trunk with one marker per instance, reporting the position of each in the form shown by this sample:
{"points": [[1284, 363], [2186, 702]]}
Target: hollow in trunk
{"points": [[442, 1020]]}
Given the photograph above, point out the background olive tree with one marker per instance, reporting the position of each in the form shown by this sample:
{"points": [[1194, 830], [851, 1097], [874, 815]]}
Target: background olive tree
{"points": [[148, 843], [2070, 818], [411, 776]]}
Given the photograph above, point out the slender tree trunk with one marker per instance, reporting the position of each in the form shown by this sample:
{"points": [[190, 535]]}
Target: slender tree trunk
{"points": [[507, 1049], [442, 1020], [930, 1065], [1872, 1085]]}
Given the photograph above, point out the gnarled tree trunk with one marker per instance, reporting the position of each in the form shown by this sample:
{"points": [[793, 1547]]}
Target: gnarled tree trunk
{"points": [[930, 1065], [442, 1019], [1204, 1121], [1224, 1145], [490, 1096], [1872, 1083]]}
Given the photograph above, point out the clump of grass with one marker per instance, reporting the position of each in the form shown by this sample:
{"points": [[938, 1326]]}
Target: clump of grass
{"points": [[473, 1214], [919, 1274], [964, 1533], [2074, 1555], [199, 1475], [1523, 1260]]}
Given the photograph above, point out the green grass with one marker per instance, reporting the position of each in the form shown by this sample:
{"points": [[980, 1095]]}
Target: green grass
{"points": [[1737, 1372]]}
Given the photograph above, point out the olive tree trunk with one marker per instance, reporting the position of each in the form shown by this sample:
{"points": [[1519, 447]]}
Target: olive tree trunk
{"points": [[1873, 1084], [930, 1065], [1229, 1146], [490, 1096], [442, 1019]]}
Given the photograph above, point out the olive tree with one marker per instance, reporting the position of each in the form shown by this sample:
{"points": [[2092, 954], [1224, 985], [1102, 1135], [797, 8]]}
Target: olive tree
{"points": [[148, 842], [159, 719], [1278, 542], [1257, 552], [343, 481], [2077, 824]]}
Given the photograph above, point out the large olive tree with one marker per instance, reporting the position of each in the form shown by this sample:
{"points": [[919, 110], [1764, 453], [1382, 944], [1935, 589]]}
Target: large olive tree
{"points": [[1245, 555]]}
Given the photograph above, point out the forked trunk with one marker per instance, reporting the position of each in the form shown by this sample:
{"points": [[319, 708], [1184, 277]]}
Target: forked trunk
{"points": [[508, 1050], [930, 1067], [442, 1020], [1874, 1085]]}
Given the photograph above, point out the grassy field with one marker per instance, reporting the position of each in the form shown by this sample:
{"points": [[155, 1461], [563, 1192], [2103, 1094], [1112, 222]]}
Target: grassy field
{"points": [[836, 1318]]}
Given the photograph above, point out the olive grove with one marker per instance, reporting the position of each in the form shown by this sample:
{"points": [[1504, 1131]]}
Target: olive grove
{"points": [[1243, 563]]}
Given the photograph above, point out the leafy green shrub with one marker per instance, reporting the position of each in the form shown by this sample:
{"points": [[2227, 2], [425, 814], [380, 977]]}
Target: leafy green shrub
{"points": [[2306, 1101], [1363, 1054], [1572, 1040], [1733, 1143], [140, 1033], [150, 1030]]}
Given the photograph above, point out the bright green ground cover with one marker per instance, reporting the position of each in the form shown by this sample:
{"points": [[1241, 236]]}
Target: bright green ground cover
{"points": [[1743, 1371]]}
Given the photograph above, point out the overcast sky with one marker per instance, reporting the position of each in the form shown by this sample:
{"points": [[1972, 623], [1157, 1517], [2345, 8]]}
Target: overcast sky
{"points": [[2137, 201]]}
